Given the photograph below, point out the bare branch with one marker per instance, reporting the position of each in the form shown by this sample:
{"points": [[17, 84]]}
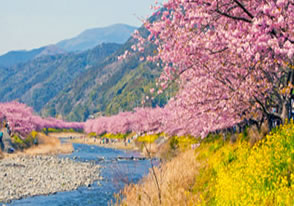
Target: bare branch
{"points": [[154, 173], [265, 109], [218, 51], [244, 9], [233, 17]]}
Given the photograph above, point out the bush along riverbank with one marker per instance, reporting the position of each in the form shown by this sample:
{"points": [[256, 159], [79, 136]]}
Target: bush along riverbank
{"points": [[249, 168]]}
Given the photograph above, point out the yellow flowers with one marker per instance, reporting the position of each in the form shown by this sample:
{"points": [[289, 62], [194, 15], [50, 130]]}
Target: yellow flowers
{"points": [[261, 175], [148, 138], [235, 173]]}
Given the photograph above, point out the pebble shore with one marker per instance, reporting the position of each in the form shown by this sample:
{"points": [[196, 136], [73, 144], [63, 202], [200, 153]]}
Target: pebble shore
{"points": [[25, 176]]}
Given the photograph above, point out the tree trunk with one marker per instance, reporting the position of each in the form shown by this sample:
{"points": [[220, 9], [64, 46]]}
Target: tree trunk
{"points": [[284, 114]]}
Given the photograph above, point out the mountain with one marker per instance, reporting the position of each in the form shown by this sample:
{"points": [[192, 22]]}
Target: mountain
{"points": [[41, 79], [107, 90], [110, 87], [23, 56], [78, 85], [16, 57], [50, 51], [117, 33]]}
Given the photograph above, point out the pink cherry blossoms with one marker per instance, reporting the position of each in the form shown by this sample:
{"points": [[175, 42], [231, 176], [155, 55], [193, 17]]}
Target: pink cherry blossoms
{"points": [[234, 59], [22, 119]]}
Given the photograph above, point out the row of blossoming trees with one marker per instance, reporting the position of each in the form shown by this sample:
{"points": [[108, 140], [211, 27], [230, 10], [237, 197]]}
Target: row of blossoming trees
{"points": [[233, 60], [22, 119]]}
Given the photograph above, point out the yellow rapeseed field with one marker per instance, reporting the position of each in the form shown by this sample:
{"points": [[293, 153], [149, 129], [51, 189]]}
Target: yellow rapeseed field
{"points": [[258, 175], [223, 173]]}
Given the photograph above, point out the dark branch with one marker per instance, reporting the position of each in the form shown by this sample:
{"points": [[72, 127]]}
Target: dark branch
{"points": [[219, 51], [265, 110], [291, 41], [234, 17], [244, 9]]}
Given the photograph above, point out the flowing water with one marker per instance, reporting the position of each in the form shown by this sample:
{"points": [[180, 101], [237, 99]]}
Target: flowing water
{"points": [[115, 175]]}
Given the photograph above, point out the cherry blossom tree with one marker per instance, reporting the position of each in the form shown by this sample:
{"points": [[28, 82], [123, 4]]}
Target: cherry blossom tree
{"points": [[22, 119], [233, 59]]}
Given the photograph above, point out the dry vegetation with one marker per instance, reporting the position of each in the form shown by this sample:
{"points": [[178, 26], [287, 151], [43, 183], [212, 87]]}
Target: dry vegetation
{"points": [[46, 145], [188, 177], [49, 145], [175, 180]]}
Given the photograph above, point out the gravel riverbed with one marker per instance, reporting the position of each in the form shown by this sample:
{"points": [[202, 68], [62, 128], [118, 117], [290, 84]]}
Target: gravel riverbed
{"points": [[25, 176]]}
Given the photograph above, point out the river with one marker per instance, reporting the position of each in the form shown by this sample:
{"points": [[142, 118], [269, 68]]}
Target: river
{"points": [[115, 175]]}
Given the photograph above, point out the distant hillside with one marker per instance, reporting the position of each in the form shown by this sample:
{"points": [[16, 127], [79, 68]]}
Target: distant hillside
{"points": [[41, 79], [118, 33], [50, 51], [109, 87], [16, 57], [77, 85]]}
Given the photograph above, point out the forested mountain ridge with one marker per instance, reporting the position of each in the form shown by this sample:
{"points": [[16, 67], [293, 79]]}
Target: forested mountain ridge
{"points": [[37, 81], [113, 86], [90, 92], [16, 57]]}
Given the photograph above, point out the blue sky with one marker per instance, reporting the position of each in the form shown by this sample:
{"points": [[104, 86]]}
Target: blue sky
{"points": [[28, 24]]}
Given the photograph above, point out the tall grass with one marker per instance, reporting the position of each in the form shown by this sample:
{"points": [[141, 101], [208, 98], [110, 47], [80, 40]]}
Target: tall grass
{"points": [[251, 170], [175, 179]]}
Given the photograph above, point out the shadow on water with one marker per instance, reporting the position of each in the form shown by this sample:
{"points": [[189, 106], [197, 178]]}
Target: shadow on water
{"points": [[115, 175]]}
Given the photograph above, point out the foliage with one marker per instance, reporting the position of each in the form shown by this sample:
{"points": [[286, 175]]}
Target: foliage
{"points": [[59, 130], [233, 60], [23, 121], [141, 121], [148, 138], [260, 175], [114, 136], [226, 173], [21, 143], [92, 134], [183, 142], [241, 174]]}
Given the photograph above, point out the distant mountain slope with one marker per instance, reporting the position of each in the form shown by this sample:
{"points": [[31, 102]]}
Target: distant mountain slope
{"points": [[37, 81], [117, 33], [51, 50], [16, 57], [116, 85]]}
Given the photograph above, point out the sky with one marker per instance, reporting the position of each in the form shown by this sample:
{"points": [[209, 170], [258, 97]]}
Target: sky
{"points": [[28, 24]]}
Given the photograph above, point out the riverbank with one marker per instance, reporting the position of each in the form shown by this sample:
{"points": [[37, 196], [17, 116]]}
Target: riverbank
{"points": [[65, 134], [247, 168], [114, 145], [24, 176], [47, 145]]}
